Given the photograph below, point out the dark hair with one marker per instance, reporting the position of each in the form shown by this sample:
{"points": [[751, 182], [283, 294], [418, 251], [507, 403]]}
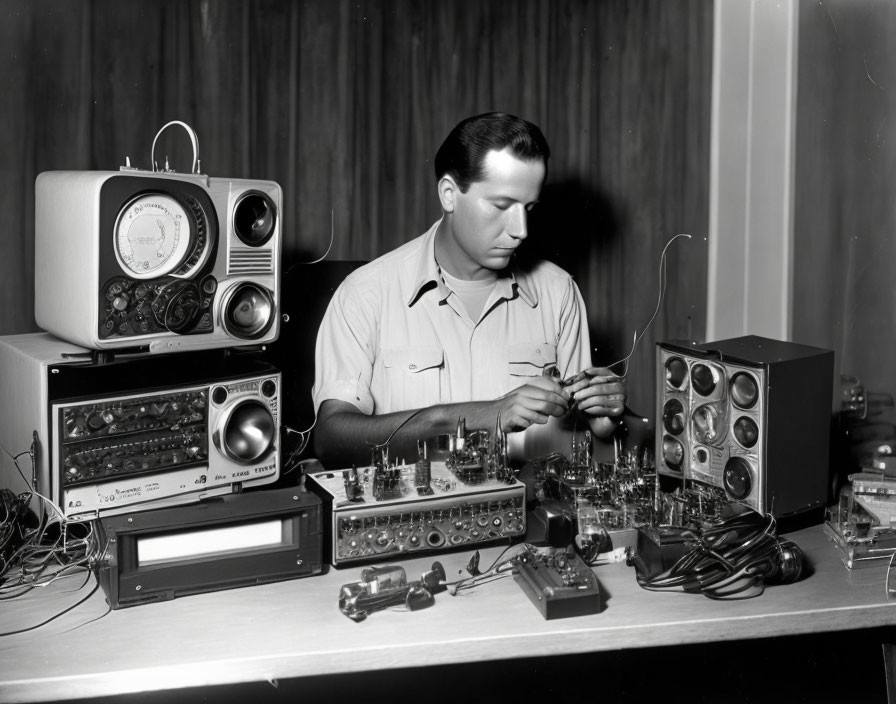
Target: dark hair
{"points": [[462, 154]]}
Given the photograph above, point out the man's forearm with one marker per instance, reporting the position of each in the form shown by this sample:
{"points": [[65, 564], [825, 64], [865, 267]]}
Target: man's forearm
{"points": [[345, 436]]}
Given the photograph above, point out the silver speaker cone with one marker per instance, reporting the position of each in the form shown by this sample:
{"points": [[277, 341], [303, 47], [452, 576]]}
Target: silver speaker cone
{"points": [[249, 433], [248, 311], [254, 218]]}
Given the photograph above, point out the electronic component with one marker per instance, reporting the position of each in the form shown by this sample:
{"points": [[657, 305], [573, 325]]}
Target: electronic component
{"points": [[146, 431], [157, 261], [478, 456], [862, 524], [472, 497], [729, 559], [557, 581], [377, 513], [387, 587], [231, 541], [719, 424]]}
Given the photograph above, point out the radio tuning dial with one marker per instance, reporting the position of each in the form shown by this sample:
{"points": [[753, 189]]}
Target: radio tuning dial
{"points": [[152, 236]]}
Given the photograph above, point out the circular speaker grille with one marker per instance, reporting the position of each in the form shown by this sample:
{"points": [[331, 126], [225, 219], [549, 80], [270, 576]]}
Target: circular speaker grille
{"points": [[249, 432], [248, 311], [745, 431], [703, 379], [673, 416], [673, 453], [744, 390], [254, 218], [737, 478], [676, 372]]}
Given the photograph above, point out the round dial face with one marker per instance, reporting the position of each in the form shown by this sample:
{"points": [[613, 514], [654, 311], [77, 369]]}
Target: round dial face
{"points": [[152, 236]]}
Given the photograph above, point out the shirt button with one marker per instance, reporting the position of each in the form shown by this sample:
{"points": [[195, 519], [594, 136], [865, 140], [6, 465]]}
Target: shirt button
{"points": [[412, 366]]}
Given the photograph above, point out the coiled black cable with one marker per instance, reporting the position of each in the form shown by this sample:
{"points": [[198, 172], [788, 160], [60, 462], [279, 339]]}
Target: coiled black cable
{"points": [[731, 559]]}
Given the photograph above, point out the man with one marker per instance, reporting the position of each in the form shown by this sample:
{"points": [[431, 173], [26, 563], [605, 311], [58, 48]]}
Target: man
{"points": [[451, 326]]}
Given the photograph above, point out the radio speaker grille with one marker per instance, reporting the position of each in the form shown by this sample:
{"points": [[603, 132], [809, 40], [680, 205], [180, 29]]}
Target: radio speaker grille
{"points": [[748, 415], [250, 261]]}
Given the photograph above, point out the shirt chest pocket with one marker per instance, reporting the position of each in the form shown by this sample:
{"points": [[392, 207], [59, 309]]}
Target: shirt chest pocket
{"points": [[530, 358], [413, 376]]}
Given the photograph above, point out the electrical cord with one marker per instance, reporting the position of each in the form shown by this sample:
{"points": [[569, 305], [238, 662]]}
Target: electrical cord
{"points": [[289, 463], [662, 291], [39, 546], [732, 559], [500, 568]]}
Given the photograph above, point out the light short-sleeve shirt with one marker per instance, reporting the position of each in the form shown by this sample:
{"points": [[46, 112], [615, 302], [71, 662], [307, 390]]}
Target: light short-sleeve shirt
{"points": [[395, 337]]}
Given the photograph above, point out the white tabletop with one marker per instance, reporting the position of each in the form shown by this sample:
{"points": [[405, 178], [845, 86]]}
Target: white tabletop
{"points": [[294, 629]]}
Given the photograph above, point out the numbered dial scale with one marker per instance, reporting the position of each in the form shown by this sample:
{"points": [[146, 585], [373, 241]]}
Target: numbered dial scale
{"points": [[155, 234]]}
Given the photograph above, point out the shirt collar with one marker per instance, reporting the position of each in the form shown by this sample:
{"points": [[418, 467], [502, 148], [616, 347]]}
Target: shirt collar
{"points": [[428, 277]]}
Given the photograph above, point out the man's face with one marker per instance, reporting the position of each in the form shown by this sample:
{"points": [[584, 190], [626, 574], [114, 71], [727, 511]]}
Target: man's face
{"points": [[489, 221]]}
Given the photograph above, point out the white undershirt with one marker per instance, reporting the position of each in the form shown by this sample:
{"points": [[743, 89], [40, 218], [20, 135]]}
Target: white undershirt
{"points": [[473, 294]]}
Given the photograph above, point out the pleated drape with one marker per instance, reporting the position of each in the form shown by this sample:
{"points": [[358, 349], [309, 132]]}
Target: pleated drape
{"points": [[344, 102]]}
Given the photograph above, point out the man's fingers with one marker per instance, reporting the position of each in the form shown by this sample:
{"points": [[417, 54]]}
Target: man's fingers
{"points": [[533, 403]]}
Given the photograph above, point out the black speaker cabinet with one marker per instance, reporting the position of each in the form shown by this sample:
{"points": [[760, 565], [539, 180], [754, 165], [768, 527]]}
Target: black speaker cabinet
{"points": [[748, 415]]}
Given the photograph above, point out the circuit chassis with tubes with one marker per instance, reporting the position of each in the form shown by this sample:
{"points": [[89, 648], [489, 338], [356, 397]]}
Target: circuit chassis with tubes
{"points": [[454, 514]]}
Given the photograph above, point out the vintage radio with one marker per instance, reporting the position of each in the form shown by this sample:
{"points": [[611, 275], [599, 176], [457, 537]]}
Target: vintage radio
{"points": [[749, 415], [159, 261], [377, 518], [154, 430], [230, 541]]}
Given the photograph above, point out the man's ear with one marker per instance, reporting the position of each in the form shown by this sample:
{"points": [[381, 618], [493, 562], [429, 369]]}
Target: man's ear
{"points": [[448, 193]]}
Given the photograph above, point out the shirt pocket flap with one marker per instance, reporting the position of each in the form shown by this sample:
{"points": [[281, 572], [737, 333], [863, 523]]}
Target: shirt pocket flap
{"points": [[413, 359], [530, 358]]}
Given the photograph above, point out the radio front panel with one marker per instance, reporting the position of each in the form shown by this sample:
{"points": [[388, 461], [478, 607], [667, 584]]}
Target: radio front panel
{"points": [[166, 262], [113, 453], [454, 515], [142, 431], [711, 428]]}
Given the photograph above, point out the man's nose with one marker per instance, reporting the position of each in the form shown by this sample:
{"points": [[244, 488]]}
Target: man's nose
{"points": [[518, 222]]}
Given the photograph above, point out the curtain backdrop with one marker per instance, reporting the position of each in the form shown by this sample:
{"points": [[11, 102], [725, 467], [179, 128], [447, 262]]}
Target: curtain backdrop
{"points": [[844, 295], [344, 102], [844, 284]]}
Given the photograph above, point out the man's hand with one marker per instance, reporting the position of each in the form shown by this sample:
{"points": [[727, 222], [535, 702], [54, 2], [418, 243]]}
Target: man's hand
{"points": [[533, 402], [597, 391]]}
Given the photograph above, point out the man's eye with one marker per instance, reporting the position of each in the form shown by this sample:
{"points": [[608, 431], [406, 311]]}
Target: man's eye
{"points": [[502, 206]]}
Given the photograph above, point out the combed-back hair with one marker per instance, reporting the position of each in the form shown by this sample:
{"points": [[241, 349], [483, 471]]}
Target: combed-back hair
{"points": [[462, 154]]}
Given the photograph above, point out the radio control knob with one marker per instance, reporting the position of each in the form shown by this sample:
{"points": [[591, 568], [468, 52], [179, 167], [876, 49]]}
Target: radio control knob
{"points": [[120, 302], [95, 422]]}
